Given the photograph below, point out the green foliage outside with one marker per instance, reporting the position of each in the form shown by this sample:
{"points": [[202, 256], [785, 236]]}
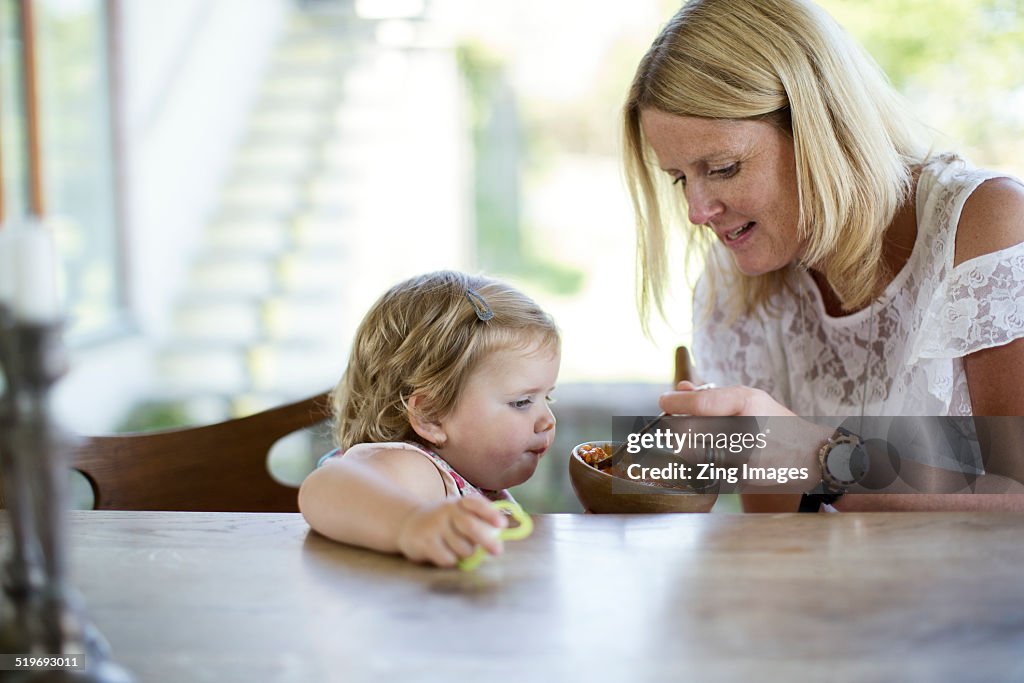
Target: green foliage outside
{"points": [[495, 202], [961, 62], [154, 415], [985, 37], [500, 151]]}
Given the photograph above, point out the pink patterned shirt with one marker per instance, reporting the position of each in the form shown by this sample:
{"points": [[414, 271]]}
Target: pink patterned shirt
{"points": [[454, 483]]}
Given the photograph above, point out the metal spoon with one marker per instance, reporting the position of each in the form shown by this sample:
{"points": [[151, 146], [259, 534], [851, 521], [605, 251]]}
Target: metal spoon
{"points": [[616, 454]]}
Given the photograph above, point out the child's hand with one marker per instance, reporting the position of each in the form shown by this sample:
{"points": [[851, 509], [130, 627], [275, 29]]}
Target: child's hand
{"points": [[444, 533]]}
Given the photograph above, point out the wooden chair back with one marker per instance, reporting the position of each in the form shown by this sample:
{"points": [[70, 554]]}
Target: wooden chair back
{"points": [[682, 366], [215, 468]]}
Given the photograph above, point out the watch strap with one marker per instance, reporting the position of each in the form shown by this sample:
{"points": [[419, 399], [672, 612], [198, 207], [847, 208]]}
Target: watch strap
{"points": [[812, 502]]}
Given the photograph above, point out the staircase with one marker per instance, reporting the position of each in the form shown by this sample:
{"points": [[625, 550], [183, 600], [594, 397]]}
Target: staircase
{"points": [[351, 178]]}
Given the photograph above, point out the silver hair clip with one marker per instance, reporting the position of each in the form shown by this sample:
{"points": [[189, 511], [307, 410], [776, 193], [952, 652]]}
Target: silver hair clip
{"points": [[483, 311]]}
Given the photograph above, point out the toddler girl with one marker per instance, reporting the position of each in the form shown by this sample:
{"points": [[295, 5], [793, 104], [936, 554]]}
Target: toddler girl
{"points": [[443, 406]]}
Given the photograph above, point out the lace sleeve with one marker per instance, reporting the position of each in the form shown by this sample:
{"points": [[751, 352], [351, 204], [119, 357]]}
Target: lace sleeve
{"points": [[740, 352], [979, 306]]}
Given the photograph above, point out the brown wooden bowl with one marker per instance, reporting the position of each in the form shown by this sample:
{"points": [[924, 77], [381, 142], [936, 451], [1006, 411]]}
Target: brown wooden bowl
{"points": [[600, 491]]}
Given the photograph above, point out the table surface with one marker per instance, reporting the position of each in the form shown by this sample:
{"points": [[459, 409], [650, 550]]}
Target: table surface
{"points": [[703, 597]]}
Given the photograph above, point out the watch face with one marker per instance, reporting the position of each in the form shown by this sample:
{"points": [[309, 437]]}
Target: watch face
{"points": [[840, 459], [847, 461]]}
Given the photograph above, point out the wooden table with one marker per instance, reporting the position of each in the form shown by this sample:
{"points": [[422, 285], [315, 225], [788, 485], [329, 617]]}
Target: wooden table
{"points": [[849, 597]]}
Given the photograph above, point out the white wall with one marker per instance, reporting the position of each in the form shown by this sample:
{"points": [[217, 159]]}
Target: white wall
{"points": [[191, 72], [191, 69], [104, 381]]}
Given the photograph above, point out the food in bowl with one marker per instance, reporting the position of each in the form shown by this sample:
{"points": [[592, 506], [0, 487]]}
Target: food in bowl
{"points": [[595, 456], [612, 490]]}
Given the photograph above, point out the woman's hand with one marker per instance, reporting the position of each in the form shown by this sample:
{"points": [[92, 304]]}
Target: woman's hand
{"points": [[715, 401], [443, 533], [791, 443]]}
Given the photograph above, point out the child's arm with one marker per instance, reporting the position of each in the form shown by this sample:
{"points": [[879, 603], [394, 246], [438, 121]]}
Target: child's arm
{"points": [[395, 501]]}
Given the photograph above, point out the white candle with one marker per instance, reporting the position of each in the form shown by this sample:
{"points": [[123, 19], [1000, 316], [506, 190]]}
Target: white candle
{"points": [[35, 292], [8, 266]]}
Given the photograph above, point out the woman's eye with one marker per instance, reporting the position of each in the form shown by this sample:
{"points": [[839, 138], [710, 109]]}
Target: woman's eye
{"points": [[550, 399], [726, 171], [521, 403], [680, 181]]}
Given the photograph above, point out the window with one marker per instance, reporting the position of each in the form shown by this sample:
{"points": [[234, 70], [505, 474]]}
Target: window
{"points": [[73, 187], [13, 136]]}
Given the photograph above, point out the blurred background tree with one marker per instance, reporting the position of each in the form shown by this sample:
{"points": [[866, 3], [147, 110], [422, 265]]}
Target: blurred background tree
{"points": [[960, 62]]}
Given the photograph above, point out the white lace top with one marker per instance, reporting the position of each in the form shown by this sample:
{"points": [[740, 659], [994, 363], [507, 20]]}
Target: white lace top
{"points": [[905, 350]]}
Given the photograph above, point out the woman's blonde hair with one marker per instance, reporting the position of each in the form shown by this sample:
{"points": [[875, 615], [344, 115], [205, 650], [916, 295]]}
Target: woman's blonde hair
{"points": [[786, 62], [424, 337]]}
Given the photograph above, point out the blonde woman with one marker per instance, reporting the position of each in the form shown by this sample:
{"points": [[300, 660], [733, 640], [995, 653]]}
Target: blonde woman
{"points": [[849, 271], [443, 406]]}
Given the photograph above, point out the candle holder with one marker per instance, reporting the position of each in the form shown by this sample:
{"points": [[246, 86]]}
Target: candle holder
{"points": [[42, 615]]}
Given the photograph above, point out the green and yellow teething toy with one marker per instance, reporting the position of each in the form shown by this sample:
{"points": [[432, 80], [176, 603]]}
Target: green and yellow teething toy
{"points": [[523, 528]]}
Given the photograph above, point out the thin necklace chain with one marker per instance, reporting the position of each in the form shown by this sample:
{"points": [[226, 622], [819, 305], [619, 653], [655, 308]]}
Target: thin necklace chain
{"points": [[801, 295], [867, 363]]}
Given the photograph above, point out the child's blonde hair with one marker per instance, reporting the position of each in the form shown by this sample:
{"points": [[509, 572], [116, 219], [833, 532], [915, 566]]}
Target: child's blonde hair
{"points": [[424, 337]]}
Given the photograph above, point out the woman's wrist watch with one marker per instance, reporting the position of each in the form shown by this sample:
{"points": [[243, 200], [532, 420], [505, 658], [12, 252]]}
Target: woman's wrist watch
{"points": [[844, 462]]}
